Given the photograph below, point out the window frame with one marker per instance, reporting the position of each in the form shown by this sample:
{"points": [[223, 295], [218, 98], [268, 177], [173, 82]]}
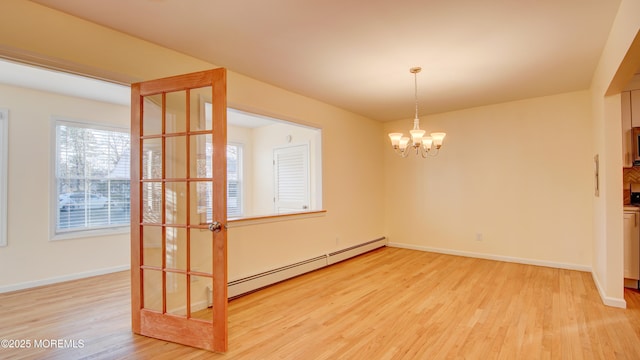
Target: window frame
{"points": [[4, 163], [54, 233], [240, 182]]}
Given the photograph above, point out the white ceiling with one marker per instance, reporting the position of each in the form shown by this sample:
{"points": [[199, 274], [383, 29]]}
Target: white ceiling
{"points": [[356, 54]]}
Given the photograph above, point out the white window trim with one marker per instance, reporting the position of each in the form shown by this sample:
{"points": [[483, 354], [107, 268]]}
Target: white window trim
{"points": [[53, 197], [4, 161]]}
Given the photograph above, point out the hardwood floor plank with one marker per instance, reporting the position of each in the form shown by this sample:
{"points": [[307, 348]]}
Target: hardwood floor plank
{"points": [[387, 304]]}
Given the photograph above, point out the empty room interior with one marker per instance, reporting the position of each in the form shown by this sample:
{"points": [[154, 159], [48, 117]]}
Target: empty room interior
{"points": [[208, 179]]}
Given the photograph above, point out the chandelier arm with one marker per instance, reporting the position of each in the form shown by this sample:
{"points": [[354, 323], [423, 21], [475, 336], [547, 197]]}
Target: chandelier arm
{"points": [[429, 153], [401, 153]]}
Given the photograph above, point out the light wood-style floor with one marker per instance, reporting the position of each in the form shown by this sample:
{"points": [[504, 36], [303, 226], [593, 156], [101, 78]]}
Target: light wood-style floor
{"points": [[388, 304]]}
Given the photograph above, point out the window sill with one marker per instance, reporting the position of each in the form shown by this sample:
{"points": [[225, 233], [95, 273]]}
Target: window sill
{"points": [[91, 233], [255, 220]]}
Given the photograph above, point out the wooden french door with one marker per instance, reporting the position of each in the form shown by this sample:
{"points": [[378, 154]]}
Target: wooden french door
{"points": [[178, 209]]}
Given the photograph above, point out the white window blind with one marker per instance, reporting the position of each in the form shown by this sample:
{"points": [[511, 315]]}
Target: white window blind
{"points": [[291, 166], [92, 177]]}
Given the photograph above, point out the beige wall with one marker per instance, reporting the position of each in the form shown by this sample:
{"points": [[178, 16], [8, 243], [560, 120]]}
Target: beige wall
{"points": [[351, 168], [30, 257], [619, 60], [519, 173]]}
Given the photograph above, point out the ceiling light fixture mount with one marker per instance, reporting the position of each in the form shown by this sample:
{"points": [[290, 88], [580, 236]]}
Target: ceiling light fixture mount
{"points": [[422, 145]]}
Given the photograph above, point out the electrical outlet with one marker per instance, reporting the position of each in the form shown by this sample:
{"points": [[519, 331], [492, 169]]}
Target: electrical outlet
{"points": [[479, 236]]}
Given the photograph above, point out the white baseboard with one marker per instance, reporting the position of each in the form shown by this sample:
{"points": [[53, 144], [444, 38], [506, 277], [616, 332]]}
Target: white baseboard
{"points": [[607, 300], [58, 279], [495, 257]]}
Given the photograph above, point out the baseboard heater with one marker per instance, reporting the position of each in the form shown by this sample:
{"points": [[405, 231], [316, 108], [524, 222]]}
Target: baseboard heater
{"points": [[252, 283]]}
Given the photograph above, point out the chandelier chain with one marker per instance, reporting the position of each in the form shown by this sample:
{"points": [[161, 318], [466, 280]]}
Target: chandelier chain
{"points": [[415, 91]]}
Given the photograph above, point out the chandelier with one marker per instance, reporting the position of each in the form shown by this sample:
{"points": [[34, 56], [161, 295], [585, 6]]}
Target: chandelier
{"points": [[422, 145]]}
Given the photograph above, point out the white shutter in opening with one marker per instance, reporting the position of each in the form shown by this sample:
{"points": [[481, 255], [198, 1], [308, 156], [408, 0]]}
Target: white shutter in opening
{"points": [[291, 169]]}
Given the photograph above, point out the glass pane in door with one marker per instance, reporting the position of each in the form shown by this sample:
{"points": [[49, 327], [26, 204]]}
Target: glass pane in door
{"points": [[200, 109], [151, 158], [176, 286], [176, 112], [176, 202], [176, 248], [176, 157], [201, 251], [152, 246], [152, 290], [152, 115], [202, 156], [201, 193], [201, 298], [151, 202]]}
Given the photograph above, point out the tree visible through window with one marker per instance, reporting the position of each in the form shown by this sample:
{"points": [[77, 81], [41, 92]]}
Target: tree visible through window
{"points": [[92, 177]]}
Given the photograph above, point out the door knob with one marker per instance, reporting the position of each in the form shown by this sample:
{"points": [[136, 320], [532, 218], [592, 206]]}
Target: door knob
{"points": [[215, 226]]}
